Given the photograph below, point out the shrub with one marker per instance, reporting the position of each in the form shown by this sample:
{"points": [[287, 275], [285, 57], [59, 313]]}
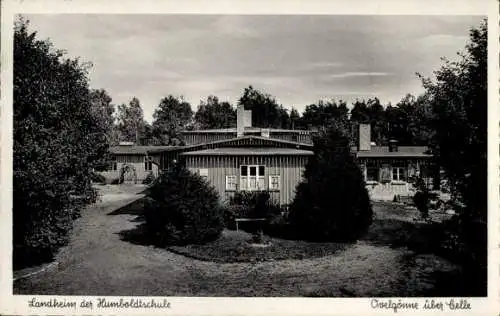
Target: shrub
{"points": [[98, 178], [150, 178], [182, 208], [331, 202], [256, 204]]}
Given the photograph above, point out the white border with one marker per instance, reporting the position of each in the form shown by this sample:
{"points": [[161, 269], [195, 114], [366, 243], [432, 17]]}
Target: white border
{"points": [[10, 304]]}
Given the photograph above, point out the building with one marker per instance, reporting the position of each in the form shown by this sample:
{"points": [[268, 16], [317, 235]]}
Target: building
{"points": [[135, 161], [246, 158], [391, 170]]}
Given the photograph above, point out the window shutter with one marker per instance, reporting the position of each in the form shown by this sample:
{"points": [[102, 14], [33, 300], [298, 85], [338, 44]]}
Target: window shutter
{"points": [[228, 181]]}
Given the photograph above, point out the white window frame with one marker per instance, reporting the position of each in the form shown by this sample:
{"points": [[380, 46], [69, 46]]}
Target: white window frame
{"points": [[399, 174], [231, 183], [278, 181], [247, 181], [148, 164]]}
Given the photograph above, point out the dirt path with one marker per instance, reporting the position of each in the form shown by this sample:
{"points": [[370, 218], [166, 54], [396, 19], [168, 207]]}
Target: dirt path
{"points": [[98, 262]]}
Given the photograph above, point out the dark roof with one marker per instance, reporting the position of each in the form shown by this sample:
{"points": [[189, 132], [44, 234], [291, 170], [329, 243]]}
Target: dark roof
{"points": [[247, 129], [228, 141], [402, 152], [237, 151], [138, 150]]}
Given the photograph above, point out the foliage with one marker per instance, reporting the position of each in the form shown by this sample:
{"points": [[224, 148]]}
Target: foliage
{"points": [[331, 203], [172, 115], [265, 110], [125, 170], [57, 141], [98, 178], [215, 114], [458, 100], [150, 178], [183, 209], [254, 204], [323, 113], [130, 121]]}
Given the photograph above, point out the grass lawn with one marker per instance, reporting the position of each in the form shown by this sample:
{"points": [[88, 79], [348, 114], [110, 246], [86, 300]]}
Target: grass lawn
{"points": [[236, 246]]}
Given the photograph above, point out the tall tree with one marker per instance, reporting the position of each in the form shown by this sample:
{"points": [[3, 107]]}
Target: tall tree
{"points": [[102, 113], [130, 121], [458, 96], [360, 113], [170, 118], [265, 110], [376, 115], [57, 142], [215, 114], [295, 119], [332, 203], [324, 113]]}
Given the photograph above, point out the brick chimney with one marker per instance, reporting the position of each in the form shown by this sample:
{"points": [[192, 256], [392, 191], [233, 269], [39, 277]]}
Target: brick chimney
{"points": [[243, 119], [364, 137], [393, 145]]}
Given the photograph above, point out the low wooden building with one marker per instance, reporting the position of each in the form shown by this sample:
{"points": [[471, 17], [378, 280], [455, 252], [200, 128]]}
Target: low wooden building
{"points": [[135, 161], [247, 158]]}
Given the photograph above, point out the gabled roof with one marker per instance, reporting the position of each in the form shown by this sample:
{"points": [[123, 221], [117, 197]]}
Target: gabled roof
{"points": [[247, 130], [244, 151], [138, 150], [244, 141], [402, 152]]}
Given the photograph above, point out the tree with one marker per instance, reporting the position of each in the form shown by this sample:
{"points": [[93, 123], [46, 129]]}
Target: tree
{"points": [[57, 142], [458, 99], [215, 114], [183, 209], [295, 120], [376, 114], [130, 121], [324, 113], [360, 113], [102, 113], [170, 118], [265, 110], [332, 202]]}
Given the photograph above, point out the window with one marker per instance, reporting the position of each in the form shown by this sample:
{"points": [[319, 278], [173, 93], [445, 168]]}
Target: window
{"points": [[372, 173], [274, 183], [231, 183], [398, 174], [148, 164], [252, 178], [113, 166], [203, 173]]}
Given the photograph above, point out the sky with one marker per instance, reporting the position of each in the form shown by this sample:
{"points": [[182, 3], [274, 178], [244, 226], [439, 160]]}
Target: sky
{"points": [[298, 59]]}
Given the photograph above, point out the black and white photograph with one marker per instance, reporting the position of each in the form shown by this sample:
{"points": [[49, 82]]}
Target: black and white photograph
{"points": [[250, 155]]}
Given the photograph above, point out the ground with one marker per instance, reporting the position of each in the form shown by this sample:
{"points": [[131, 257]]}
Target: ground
{"points": [[98, 261]]}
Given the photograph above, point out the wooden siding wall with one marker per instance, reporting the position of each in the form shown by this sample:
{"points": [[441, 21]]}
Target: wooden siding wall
{"points": [[290, 169]]}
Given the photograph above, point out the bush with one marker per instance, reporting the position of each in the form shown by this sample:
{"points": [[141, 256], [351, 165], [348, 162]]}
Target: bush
{"points": [[150, 178], [332, 202], [256, 204], [182, 208], [98, 178]]}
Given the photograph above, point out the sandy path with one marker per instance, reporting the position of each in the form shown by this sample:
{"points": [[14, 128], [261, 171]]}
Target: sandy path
{"points": [[98, 262]]}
